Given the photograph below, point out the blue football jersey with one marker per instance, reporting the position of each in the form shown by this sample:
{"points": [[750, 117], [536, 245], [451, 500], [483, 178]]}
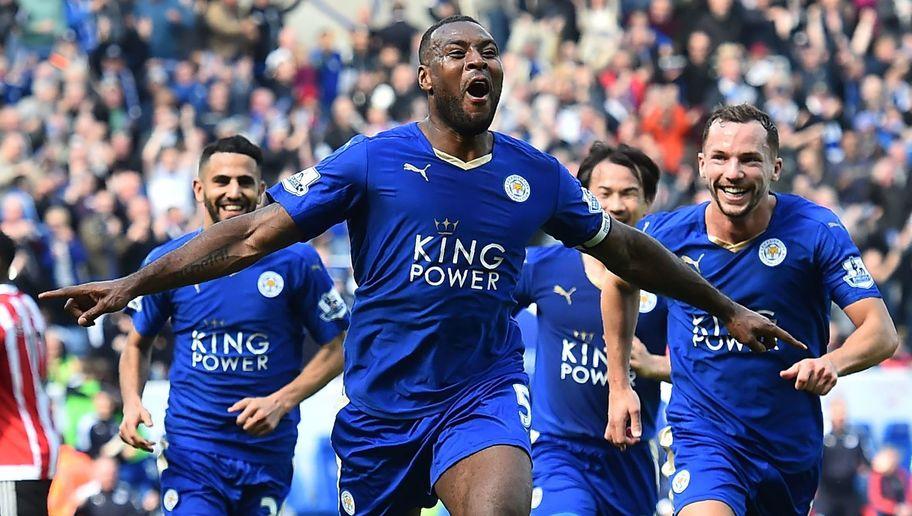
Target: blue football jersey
{"points": [[240, 336], [791, 273], [569, 387], [437, 245]]}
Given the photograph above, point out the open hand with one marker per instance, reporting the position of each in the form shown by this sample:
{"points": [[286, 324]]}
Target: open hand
{"points": [[89, 301], [758, 332]]}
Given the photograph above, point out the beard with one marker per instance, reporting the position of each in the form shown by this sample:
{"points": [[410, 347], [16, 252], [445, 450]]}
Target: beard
{"points": [[450, 109], [213, 210]]}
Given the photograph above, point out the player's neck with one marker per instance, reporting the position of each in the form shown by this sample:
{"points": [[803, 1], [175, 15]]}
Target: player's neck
{"points": [[735, 231], [444, 138]]}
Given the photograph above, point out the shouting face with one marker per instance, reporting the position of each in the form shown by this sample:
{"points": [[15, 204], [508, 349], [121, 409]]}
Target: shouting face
{"points": [[462, 75]]}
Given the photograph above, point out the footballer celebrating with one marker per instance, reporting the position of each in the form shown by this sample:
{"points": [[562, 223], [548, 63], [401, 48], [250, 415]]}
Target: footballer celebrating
{"points": [[747, 427], [575, 470], [438, 213], [236, 377]]}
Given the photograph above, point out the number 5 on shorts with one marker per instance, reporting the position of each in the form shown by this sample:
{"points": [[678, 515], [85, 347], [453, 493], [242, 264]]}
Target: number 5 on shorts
{"points": [[525, 408]]}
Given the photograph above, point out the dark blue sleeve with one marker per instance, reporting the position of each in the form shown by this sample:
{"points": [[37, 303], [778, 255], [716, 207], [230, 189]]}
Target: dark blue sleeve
{"points": [[320, 305], [324, 195], [845, 276], [524, 286], [578, 219], [150, 312]]}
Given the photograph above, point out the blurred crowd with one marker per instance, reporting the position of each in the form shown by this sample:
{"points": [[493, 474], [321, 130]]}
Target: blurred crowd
{"points": [[106, 104]]}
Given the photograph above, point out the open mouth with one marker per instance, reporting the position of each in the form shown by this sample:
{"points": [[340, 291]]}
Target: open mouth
{"points": [[478, 89], [734, 193], [233, 208]]}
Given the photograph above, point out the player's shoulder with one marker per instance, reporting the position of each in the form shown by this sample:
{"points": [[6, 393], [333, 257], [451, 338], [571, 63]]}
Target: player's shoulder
{"points": [[683, 219], [300, 252], [522, 149], [539, 255], [798, 209], [169, 246]]}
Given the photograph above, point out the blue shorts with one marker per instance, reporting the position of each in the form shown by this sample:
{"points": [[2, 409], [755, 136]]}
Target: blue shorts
{"points": [[204, 483], [390, 466], [576, 477], [707, 469]]}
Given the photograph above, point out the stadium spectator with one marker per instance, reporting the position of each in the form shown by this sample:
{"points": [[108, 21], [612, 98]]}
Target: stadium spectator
{"points": [[843, 461], [106, 495], [889, 488]]}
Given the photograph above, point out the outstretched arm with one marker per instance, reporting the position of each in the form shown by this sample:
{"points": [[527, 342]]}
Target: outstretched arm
{"points": [[224, 248], [640, 260]]}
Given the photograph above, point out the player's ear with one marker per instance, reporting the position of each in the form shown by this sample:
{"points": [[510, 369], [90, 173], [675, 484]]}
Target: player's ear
{"points": [[262, 188], [777, 169], [198, 189], [700, 162], [424, 79]]}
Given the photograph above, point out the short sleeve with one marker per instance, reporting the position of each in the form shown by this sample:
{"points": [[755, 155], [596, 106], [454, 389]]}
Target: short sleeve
{"points": [[321, 196], [523, 291], [320, 305], [149, 312], [578, 219], [846, 278]]}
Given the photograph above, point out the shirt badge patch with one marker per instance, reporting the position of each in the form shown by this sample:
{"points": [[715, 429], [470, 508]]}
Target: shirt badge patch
{"points": [[648, 302], [681, 481], [857, 274], [772, 252], [270, 284], [170, 499], [299, 183], [517, 188]]}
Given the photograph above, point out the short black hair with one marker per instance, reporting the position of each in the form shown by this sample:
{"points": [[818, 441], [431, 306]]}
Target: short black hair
{"points": [[425, 46], [644, 169], [236, 144], [742, 114], [7, 253]]}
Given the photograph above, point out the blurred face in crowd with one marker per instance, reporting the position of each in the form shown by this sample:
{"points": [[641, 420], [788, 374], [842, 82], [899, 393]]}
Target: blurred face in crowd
{"points": [[618, 192], [228, 185], [463, 77], [738, 166]]}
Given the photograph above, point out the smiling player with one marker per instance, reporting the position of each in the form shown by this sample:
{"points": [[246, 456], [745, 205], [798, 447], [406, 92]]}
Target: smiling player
{"points": [[236, 378], [747, 428], [439, 402], [575, 470]]}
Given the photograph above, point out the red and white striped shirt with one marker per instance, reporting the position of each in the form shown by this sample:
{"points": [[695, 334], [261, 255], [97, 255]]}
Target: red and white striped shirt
{"points": [[28, 441]]}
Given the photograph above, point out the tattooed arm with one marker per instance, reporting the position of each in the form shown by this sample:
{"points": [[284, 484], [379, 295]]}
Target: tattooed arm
{"points": [[224, 248]]}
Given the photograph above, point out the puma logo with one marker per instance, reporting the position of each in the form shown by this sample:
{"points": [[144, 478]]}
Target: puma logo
{"points": [[559, 290], [693, 263], [421, 171]]}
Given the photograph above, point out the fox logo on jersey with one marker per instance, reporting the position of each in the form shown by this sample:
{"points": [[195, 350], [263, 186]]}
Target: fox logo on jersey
{"points": [[772, 252], [648, 302], [517, 188], [681, 481]]}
